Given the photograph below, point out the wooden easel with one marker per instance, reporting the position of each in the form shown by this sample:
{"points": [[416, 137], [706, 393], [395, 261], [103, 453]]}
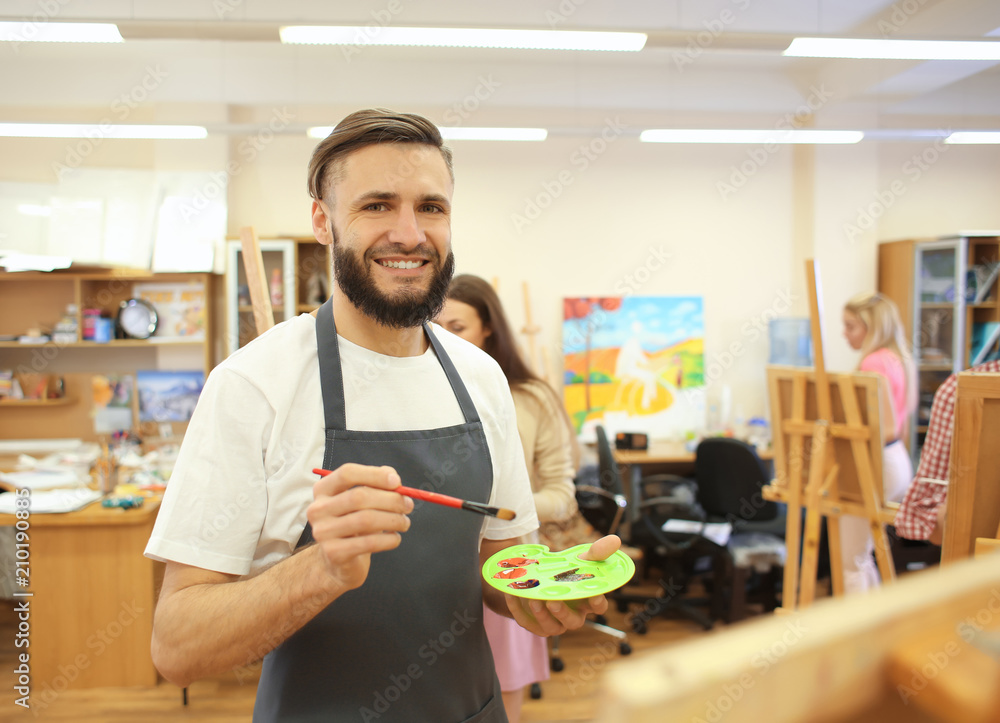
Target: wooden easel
{"points": [[972, 524], [839, 416], [253, 264]]}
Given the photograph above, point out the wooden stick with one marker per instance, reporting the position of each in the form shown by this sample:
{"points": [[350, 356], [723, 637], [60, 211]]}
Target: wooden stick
{"points": [[530, 330], [869, 490], [810, 541], [253, 264]]}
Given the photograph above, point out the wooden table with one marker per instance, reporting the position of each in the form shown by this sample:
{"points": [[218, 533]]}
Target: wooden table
{"points": [[91, 608]]}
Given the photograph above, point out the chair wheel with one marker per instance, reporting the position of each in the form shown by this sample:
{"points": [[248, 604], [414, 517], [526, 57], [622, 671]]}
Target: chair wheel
{"points": [[625, 649], [600, 620], [557, 665], [639, 626], [622, 606], [536, 691]]}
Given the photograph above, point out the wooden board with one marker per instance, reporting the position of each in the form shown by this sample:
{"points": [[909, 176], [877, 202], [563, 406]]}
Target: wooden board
{"points": [[780, 380], [835, 661], [974, 487]]}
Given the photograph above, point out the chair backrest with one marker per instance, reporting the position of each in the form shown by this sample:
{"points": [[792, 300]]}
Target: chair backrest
{"points": [[613, 501], [730, 477]]}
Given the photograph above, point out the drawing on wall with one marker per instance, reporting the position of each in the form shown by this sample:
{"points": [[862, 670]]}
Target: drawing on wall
{"points": [[168, 396], [112, 402], [634, 363]]}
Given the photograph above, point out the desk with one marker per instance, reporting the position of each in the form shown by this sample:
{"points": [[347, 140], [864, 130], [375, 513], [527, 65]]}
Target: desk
{"points": [[91, 613]]}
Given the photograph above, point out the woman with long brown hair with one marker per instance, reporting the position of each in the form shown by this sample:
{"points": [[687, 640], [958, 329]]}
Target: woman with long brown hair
{"points": [[473, 311]]}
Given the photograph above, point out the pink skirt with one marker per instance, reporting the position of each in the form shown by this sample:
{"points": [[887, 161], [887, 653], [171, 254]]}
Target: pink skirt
{"points": [[521, 658]]}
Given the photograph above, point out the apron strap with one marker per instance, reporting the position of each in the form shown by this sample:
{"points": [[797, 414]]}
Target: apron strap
{"points": [[330, 376], [457, 385]]}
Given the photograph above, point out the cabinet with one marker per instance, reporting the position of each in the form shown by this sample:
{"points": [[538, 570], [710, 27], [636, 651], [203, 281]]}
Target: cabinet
{"points": [[303, 266], [949, 303], [40, 300]]}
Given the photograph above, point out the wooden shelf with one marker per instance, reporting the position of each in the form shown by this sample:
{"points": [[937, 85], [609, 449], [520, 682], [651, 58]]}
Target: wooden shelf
{"points": [[54, 402], [937, 305], [105, 345]]}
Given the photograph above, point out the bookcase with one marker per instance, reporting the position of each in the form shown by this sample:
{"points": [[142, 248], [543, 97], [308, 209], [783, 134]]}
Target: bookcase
{"points": [[302, 264], [31, 300], [947, 292]]}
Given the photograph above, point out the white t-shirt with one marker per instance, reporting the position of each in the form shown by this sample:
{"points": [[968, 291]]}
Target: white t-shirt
{"points": [[236, 500]]}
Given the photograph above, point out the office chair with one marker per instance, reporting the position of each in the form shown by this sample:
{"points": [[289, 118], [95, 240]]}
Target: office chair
{"points": [[661, 497], [605, 512], [730, 476]]}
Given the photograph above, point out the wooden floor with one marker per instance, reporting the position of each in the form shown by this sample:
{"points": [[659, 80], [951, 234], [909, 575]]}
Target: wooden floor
{"points": [[569, 695]]}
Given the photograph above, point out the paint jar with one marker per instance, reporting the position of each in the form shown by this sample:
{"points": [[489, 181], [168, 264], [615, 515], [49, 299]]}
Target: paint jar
{"points": [[104, 330], [90, 317]]}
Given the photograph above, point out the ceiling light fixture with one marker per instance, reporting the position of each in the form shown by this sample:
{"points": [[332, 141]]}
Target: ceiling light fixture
{"points": [[876, 49], [464, 134], [101, 130], [48, 32], [701, 135], [974, 137], [462, 38]]}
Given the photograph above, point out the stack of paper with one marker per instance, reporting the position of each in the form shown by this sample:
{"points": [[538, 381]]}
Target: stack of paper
{"points": [[42, 479], [51, 501]]}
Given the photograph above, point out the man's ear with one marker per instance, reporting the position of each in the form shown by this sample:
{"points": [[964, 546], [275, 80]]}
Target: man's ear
{"points": [[321, 223]]}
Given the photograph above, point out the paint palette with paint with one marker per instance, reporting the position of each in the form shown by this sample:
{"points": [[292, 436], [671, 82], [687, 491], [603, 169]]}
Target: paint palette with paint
{"points": [[532, 571]]}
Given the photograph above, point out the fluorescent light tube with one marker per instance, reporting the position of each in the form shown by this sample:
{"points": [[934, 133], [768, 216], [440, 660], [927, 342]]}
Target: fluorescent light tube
{"points": [[34, 209], [464, 134], [95, 130], [974, 137], [462, 38], [700, 135], [48, 32], [877, 49], [494, 134]]}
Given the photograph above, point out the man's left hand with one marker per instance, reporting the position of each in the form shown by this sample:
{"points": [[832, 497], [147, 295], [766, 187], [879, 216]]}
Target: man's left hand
{"points": [[555, 617]]}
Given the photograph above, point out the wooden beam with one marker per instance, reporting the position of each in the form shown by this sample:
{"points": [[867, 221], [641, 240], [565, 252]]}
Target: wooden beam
{"points": [[253, 264]]}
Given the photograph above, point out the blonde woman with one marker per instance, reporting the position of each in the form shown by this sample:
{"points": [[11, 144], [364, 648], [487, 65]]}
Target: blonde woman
{"points": [[872, 325]]}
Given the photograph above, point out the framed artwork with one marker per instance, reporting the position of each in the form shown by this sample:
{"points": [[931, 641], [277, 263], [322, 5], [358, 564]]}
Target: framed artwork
{"points": [[634, 363], [168, 396]]}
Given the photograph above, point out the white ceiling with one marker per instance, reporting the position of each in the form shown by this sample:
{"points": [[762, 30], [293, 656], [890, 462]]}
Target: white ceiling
{"points": [[218, 62]]}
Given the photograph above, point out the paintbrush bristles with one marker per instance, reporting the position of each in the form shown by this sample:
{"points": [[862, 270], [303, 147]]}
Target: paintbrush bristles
{"points": [[500, 512]]}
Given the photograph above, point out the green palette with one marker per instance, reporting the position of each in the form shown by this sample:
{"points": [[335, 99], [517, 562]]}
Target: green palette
{"points": [[532, 571]]}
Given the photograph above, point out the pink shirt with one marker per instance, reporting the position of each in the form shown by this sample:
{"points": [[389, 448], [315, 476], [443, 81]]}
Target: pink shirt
{"points": [[891, 367]]}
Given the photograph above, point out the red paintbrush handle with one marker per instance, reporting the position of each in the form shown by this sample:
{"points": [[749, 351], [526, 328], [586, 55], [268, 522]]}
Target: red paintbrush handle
{"points": [[427, 496], [416, 494]]}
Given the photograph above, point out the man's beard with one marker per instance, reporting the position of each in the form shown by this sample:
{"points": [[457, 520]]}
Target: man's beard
{"points": [[408, 308]]}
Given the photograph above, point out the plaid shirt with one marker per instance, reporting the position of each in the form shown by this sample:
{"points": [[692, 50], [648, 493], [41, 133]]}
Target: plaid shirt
{"points": [[917, 515]]}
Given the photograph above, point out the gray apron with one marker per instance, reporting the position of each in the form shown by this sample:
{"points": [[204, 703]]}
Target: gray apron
{"points": [[409, 644]]}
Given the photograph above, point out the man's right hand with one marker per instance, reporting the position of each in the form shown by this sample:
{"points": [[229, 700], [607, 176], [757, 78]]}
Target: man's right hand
{"points": [[355, 513]]}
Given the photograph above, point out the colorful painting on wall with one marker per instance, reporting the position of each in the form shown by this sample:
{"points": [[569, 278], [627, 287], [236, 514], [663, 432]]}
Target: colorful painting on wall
{"points": [[634, 363]]}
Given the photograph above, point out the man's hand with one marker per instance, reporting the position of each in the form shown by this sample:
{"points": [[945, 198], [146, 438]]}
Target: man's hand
{"points": [[355, 513], [556, 617]]}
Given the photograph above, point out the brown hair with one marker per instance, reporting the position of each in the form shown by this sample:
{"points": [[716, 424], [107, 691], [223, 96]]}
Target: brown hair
{"points": [[884, 326], [501, 345], [366, 128]]}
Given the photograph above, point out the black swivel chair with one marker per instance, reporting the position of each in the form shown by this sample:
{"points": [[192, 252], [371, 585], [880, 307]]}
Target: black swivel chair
{"points": [[674, 555], [730, 476]]}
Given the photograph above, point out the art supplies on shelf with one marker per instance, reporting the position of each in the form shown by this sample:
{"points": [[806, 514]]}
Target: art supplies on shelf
{"points": [[985, 274], [984, 339]]}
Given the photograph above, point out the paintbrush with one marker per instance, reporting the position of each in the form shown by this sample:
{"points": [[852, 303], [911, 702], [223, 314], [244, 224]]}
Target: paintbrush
{"points": [[440, 499]]}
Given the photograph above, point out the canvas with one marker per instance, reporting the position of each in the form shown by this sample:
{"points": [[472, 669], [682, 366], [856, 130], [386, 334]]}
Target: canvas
{"points": [[634, 363]]}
